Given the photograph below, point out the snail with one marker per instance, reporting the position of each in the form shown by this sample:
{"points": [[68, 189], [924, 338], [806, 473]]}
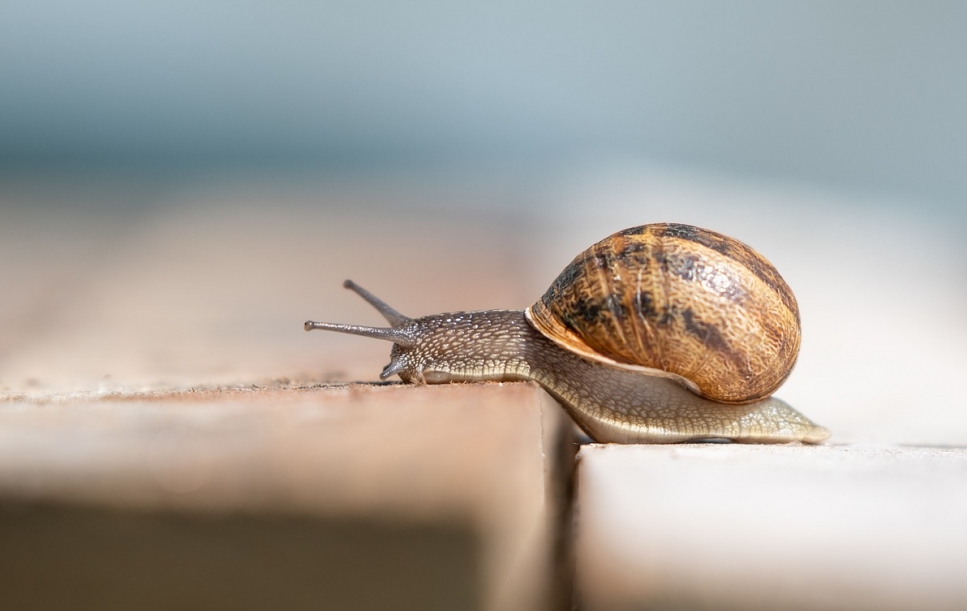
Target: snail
{"points": [[660, 333]]}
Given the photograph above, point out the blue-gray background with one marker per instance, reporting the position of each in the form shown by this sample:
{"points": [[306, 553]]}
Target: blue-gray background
{"points": [[866, 96]]}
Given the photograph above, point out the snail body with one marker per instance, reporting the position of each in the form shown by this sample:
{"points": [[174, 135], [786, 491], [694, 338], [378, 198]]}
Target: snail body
{"points": [[658, 334]]}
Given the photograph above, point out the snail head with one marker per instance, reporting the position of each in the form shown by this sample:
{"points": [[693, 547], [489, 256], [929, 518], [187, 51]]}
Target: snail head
{"points": [[401, 331], [448, 347]]}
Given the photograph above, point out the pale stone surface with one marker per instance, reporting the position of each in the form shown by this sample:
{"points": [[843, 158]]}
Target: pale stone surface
{"points": [[772, 527], [485, 458]]}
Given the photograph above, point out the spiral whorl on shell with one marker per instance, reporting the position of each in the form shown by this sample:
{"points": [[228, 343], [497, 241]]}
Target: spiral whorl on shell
{"points": [[681, 301]]}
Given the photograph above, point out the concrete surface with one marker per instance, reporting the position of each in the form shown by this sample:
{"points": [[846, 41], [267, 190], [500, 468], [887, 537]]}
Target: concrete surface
{"points": [[772, 527], [457, 492]]}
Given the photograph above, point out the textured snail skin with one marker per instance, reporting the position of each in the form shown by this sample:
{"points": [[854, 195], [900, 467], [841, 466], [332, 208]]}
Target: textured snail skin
{"points": [[610, 404]]}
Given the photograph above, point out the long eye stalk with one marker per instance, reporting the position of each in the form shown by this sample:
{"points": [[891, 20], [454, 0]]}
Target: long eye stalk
{"points": [[394, 318], [394, 333], [397, 336]]}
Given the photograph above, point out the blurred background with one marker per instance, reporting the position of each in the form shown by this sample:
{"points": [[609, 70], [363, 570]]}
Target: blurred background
{"points": [[183, 183]]}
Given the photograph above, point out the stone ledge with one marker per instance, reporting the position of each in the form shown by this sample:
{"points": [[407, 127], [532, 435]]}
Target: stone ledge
{"points": [[791, 527], [474, 471]]}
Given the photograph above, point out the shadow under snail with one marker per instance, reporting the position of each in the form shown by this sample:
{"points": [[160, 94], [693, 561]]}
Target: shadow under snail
{"points": [[661, 333]]}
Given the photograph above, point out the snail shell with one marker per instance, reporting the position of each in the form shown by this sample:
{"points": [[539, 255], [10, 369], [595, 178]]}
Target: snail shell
{"points": [[677, 301]]}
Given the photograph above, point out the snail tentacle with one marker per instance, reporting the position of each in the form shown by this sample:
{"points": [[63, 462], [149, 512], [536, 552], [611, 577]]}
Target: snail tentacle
{"points": [[397, 336], [394, 318], [395, 366]]}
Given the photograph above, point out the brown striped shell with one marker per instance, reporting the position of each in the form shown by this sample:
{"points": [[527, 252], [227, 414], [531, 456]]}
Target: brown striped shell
{"points": [[677, 301]]}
